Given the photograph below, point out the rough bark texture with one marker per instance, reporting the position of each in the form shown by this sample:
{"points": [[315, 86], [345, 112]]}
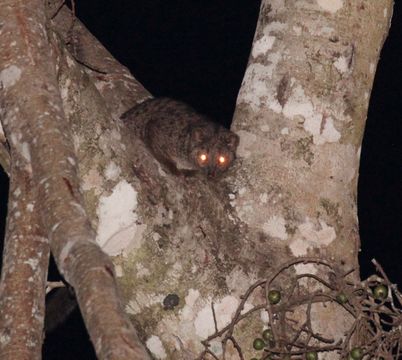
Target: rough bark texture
{"points": [[300, 116], [24, 270], [186, 249], [305, 96], [36, 128]]}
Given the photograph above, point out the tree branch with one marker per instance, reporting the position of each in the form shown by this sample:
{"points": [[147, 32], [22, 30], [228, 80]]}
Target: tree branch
{"points": [[37, 130], [24, 271]]}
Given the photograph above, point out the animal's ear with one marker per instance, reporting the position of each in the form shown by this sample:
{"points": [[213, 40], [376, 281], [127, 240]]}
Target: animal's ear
{"points": [[232, 141]]}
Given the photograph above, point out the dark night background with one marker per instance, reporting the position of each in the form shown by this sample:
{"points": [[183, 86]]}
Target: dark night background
{"points": [[197, 51]]}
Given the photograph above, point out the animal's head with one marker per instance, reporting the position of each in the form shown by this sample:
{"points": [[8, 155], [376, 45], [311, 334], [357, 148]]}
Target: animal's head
{"points": [[213, 149]]}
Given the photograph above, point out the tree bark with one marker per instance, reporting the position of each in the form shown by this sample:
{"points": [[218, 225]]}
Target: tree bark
{"points": [[37, 131], [187, 250], [24, 270], [300, 115]]}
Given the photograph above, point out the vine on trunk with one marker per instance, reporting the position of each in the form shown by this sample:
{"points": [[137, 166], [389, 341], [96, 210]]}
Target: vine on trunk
{"points": [[375, 306]]}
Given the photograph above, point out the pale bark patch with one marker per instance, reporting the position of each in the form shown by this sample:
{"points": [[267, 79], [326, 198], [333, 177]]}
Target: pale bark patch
{"points": [[224, 310], [112, 171], [256, 89], [262, 45], [330, 5], [306, 269], [154, 344], [10, 75], [276, 227], [310, 237], [322, 129], [247, 139], [118, 226], [342, 64]]}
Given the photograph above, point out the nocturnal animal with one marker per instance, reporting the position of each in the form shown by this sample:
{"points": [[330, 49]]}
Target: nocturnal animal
{"points": [[183, 141]]}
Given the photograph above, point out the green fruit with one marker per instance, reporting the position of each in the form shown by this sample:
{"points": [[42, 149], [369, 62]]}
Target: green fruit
{"points": [[341, 298], [311, 355], [380, 292], [258, 344], [268, 335], [356, 353], [274, 296]]}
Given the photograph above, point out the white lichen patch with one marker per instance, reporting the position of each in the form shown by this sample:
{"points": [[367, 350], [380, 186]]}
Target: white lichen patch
{"points": [[112, 171], [342, 64], [187, 311], [330, 5], [10, 75], [117, 227], [305, 269], [196, 318], [298, 104], [323, 130], [263, 198], [224, 310], [257, 89], [299, 247], [155, 346], [275, 227], [310, 236], [17, 192], [264, 316], [262, 45], [247, 139], [285, 131], [118, 269], [33, 263]]}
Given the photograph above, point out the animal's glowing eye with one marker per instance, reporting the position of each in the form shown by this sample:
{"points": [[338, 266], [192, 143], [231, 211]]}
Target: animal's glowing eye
{"points": [[221, 160], [203, 157]]}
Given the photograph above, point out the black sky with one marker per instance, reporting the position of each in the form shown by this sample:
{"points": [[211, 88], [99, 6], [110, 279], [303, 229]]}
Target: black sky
{"points": [[197, 51]]}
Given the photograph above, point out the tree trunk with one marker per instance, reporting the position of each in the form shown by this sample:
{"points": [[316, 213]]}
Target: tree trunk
{"points": [[193, 255]]}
